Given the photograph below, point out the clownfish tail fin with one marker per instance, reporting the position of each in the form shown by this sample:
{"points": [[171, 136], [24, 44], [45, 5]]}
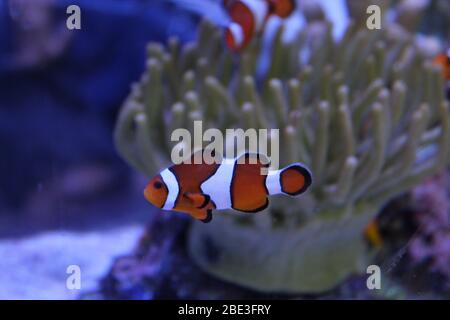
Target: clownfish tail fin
{"points": [[295, 179], [282, 8], [292, 180]]}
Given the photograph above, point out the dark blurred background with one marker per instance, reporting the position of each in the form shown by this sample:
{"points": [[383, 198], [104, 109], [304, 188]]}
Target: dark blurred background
{"points": [[60, 91]]}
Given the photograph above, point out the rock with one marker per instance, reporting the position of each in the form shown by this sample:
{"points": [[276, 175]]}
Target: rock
{"points": [[160, 268], [35, 267]]}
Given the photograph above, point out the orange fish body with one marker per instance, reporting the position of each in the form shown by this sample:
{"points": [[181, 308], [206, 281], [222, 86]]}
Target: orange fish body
{"points": [[443, 60], [249, 17], [281, 8], [237, 184]]}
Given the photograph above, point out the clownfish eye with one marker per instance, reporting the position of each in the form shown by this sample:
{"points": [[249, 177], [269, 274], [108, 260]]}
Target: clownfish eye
{"points": [[157, 185]]}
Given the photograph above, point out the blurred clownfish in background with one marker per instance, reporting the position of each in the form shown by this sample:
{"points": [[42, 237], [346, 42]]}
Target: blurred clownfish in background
{"points": [[215, 183], [373, 235], [248, 17], [443, 60]]}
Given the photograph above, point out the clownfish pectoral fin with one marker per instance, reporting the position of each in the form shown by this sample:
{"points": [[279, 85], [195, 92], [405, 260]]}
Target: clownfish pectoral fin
{"points": [[204, 215], [198, 200], [208, 217], [282, 8]]}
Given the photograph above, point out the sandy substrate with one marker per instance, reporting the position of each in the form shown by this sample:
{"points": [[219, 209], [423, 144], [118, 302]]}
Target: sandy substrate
{"points": [[35, 267]]}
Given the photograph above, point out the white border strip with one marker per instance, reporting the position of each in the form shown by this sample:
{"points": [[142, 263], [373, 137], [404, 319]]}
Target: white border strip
{"points": [[172, 185], [260, 9]]}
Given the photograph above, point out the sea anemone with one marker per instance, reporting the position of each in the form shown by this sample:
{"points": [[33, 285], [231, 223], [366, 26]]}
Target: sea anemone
{"points": [[367, 114]]}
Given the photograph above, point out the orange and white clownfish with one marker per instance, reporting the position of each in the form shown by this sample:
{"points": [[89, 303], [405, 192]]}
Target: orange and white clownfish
{"points": [[237, 184], [249, 17], [443, 60]]}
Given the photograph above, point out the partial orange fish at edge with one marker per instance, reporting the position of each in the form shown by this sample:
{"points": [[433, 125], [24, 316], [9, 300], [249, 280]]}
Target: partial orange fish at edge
{"points": [[443, 60], [249, 18]]}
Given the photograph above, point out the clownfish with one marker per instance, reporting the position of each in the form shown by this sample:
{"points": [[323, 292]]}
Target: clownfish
{"points": [[249, 17], [243, 184], [443, 60]]}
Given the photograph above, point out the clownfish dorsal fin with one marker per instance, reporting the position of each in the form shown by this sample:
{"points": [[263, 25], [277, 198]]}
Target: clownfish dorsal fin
{"points": [[198, 200]]}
